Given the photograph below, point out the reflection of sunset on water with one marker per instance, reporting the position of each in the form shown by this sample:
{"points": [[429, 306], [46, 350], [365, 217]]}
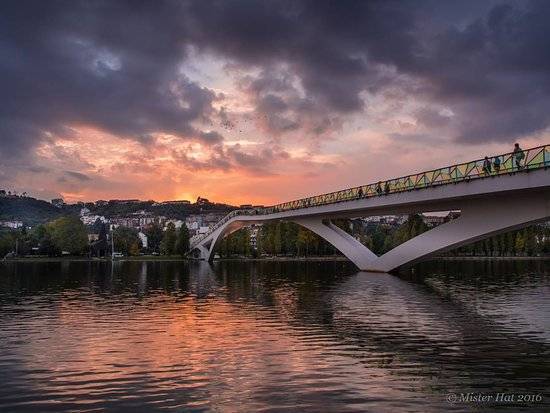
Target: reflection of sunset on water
{"points": [[238, 336]]}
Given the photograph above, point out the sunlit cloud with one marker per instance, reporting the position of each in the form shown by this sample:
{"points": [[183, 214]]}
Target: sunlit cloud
{"points": [[320, 97]]}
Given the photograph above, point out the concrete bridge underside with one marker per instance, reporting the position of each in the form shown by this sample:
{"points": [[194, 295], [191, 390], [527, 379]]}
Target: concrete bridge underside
{"points": [[488, 207]]}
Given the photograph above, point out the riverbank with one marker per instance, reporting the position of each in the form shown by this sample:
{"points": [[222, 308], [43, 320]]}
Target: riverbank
{"points": [[262, 259], [490, 258], [169, 258]]}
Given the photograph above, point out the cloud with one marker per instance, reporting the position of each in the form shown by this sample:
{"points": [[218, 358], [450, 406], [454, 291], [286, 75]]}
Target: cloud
{"points": [[77, 175], [110, 65], [491, 68], [308, 75]]}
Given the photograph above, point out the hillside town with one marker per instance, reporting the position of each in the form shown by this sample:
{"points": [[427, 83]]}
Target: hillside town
{"points": [[145, 222], [132, 227]]}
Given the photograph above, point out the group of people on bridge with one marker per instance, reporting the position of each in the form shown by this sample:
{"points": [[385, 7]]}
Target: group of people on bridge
{"points": [[517, 157], [490, 165]]}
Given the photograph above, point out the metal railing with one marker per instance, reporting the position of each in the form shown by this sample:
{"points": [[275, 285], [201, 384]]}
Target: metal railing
{"points": [[512, 162]]}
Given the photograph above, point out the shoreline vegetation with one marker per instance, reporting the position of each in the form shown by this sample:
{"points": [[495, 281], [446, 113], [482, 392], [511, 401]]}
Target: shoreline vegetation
{"points": [[251, 259]]}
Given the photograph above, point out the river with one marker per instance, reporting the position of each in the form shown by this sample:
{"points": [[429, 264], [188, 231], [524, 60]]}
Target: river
{"points": [[274, 336]]}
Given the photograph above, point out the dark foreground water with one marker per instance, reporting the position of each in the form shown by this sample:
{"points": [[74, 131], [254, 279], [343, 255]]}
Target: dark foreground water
{"points": [[161, 336]]}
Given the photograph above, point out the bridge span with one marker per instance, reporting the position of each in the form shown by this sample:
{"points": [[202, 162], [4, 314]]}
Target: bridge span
{"points": [[513, 195]]}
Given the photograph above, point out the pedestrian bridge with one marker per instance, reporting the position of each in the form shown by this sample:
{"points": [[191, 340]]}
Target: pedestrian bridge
{"points": [[513, 195]]}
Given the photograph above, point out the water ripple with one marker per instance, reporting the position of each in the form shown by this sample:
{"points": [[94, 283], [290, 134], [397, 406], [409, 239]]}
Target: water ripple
{"points": [[91, 337]]}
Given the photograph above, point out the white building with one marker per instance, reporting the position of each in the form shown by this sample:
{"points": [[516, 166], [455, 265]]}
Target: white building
{"points": [[91, 219], [177, 223], [254, 230], [11, 224], [203, 230], [143, 239]]}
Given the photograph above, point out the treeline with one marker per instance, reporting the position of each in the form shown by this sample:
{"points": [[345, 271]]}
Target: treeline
{"points": [[69, 236], [287, 238], [33, 211], [290, 239], [277, 238], [177, 211], [530, 241], [170, 241], [63, 234]]}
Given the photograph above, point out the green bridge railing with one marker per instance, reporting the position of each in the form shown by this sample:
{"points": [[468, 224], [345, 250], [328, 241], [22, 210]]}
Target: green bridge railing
{"points": [[512, 162]]}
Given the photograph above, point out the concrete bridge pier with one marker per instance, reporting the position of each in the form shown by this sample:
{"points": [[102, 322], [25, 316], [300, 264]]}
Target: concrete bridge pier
{"points": [[356, 252], [479, 219]]}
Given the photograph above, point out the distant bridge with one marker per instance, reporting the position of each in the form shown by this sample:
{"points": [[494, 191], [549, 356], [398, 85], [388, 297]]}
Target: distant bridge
{"points": [[509, 197]]}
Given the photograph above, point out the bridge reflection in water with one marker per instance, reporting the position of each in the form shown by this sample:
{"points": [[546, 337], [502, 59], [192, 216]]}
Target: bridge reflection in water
{"points": [[153, 336], [512, 193]]}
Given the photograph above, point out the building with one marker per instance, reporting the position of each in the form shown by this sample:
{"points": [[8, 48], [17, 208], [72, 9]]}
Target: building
{"points": [[180, 202], [389, 220], [92, 219], [138, 220], [433, 220], [11, 224], [143, 239], [254, 232], [124, 201]]}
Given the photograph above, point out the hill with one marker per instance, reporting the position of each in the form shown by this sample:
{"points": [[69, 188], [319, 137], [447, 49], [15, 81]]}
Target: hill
{"points": [[35, 211], [29, 210]]}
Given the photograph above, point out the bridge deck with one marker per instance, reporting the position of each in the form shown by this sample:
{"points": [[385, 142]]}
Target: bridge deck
{"points": [[505, 164]]}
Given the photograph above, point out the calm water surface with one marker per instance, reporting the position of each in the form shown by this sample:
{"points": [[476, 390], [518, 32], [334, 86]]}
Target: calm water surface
{"points": [[169, 336]]}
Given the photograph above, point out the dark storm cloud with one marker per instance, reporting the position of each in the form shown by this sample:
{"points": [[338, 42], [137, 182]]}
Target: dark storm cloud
{"points": [[491, 68], [115, 65], [111, 65]]}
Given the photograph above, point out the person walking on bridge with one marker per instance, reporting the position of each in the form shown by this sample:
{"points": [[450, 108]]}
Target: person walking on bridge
{"points": [[487, 167], [496, 164], [518, 155], [379, 188], [387, 188]]}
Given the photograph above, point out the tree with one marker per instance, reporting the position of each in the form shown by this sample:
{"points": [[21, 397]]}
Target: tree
{"points": [[68, 234], [519, 244], [305, 241], [42, 237], [182, 243], [168, 243], [7, 242], [154, 236], [126, 241]]}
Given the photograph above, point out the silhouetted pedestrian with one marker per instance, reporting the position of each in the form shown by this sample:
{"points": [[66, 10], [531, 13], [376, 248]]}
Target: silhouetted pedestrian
{"points": [[379, 188], [496, 164], [487, 168], [518, 156], [360, 193]]}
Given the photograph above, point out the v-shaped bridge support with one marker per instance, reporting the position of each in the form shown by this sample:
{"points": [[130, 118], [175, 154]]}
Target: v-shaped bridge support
{"points": [[479, 219], [356, 252]]}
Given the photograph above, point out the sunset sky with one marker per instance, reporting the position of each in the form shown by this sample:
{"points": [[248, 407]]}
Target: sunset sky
{"points": [[261, 101]]}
